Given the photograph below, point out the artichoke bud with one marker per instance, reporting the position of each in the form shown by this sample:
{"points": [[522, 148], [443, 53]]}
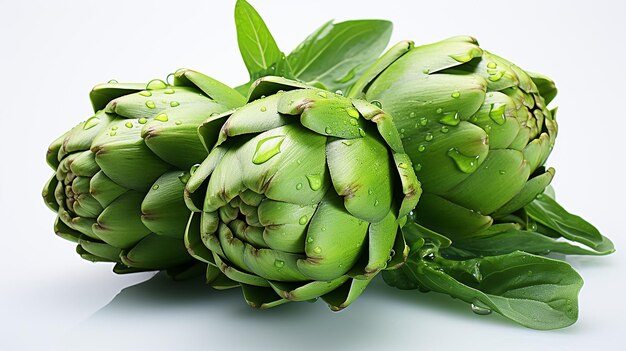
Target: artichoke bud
{"points": [[120, 174], [302, 195], [475, 126]]}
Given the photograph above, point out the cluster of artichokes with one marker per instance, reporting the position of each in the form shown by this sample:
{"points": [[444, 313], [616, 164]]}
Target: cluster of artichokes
{"points": [[427, 165]]}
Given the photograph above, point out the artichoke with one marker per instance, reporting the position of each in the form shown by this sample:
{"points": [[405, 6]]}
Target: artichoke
{"points": [[475, 126], [301, 197], [119, 175]]}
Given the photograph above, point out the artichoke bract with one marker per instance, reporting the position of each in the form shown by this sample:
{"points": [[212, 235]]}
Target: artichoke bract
{"points": [[119, 175], [475, 126], [302, 196]]}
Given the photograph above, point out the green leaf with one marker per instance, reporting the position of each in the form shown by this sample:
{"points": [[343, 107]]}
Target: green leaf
{"points": [[414, 230], [534, 291], [547, 211], [522, 240], [336, 55], [258, 48]]}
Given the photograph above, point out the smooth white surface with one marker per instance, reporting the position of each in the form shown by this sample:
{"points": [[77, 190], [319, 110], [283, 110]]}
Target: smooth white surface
{"points": [[51, 55]]}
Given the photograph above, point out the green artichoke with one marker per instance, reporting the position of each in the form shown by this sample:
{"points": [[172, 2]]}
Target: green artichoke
{"points": [[475, 126], [119, 175], [301, 197]]}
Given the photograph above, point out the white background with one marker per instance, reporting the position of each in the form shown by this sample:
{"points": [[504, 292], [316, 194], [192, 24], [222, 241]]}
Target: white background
{"points": [[52, 53]]}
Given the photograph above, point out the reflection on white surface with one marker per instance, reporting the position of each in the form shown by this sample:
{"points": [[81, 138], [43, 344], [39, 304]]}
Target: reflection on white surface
{"points": [[161, 313], [71, 313]]}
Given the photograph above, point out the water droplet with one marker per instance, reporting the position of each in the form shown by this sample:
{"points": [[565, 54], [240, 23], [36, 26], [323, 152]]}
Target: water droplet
{"points": [[303, 220], [353, 121], [496, 77], [487, 129], [455, 94], [263, 108], [370, 191], [403, 165], [169, 91], [170, 79], [439, 110], [298, 186], [421, 148], [530, 273], [412, 114], [315, 181], [156, 84], [496, 113], [91, 122], [417, 167], [466, 164], [428, 137], [423, 121], [430, 256], [178, 123], [145, 93], [352, 112], [113, 133], [450, 118], [376, 103], [503, 172], [317, 250], [114, 128], [279, 263], [309, 239], [267, 148], [376, 202], [444, 129], [150, 104], [328, 130], [361, 132], [161, 117], [479, 308], [112, 81], [299, 161], [322, 94], [155, 186], [194, 168], [129, 124], [339, 92], [323, 229], [425, 71], [492, 65], [174, 103], [142, 120]]}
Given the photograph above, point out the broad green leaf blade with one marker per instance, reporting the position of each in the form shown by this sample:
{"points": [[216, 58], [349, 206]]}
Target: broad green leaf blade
{"points": [[548, 212], [534, 291], [522, 240], [256, 44], [336, 55]]}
